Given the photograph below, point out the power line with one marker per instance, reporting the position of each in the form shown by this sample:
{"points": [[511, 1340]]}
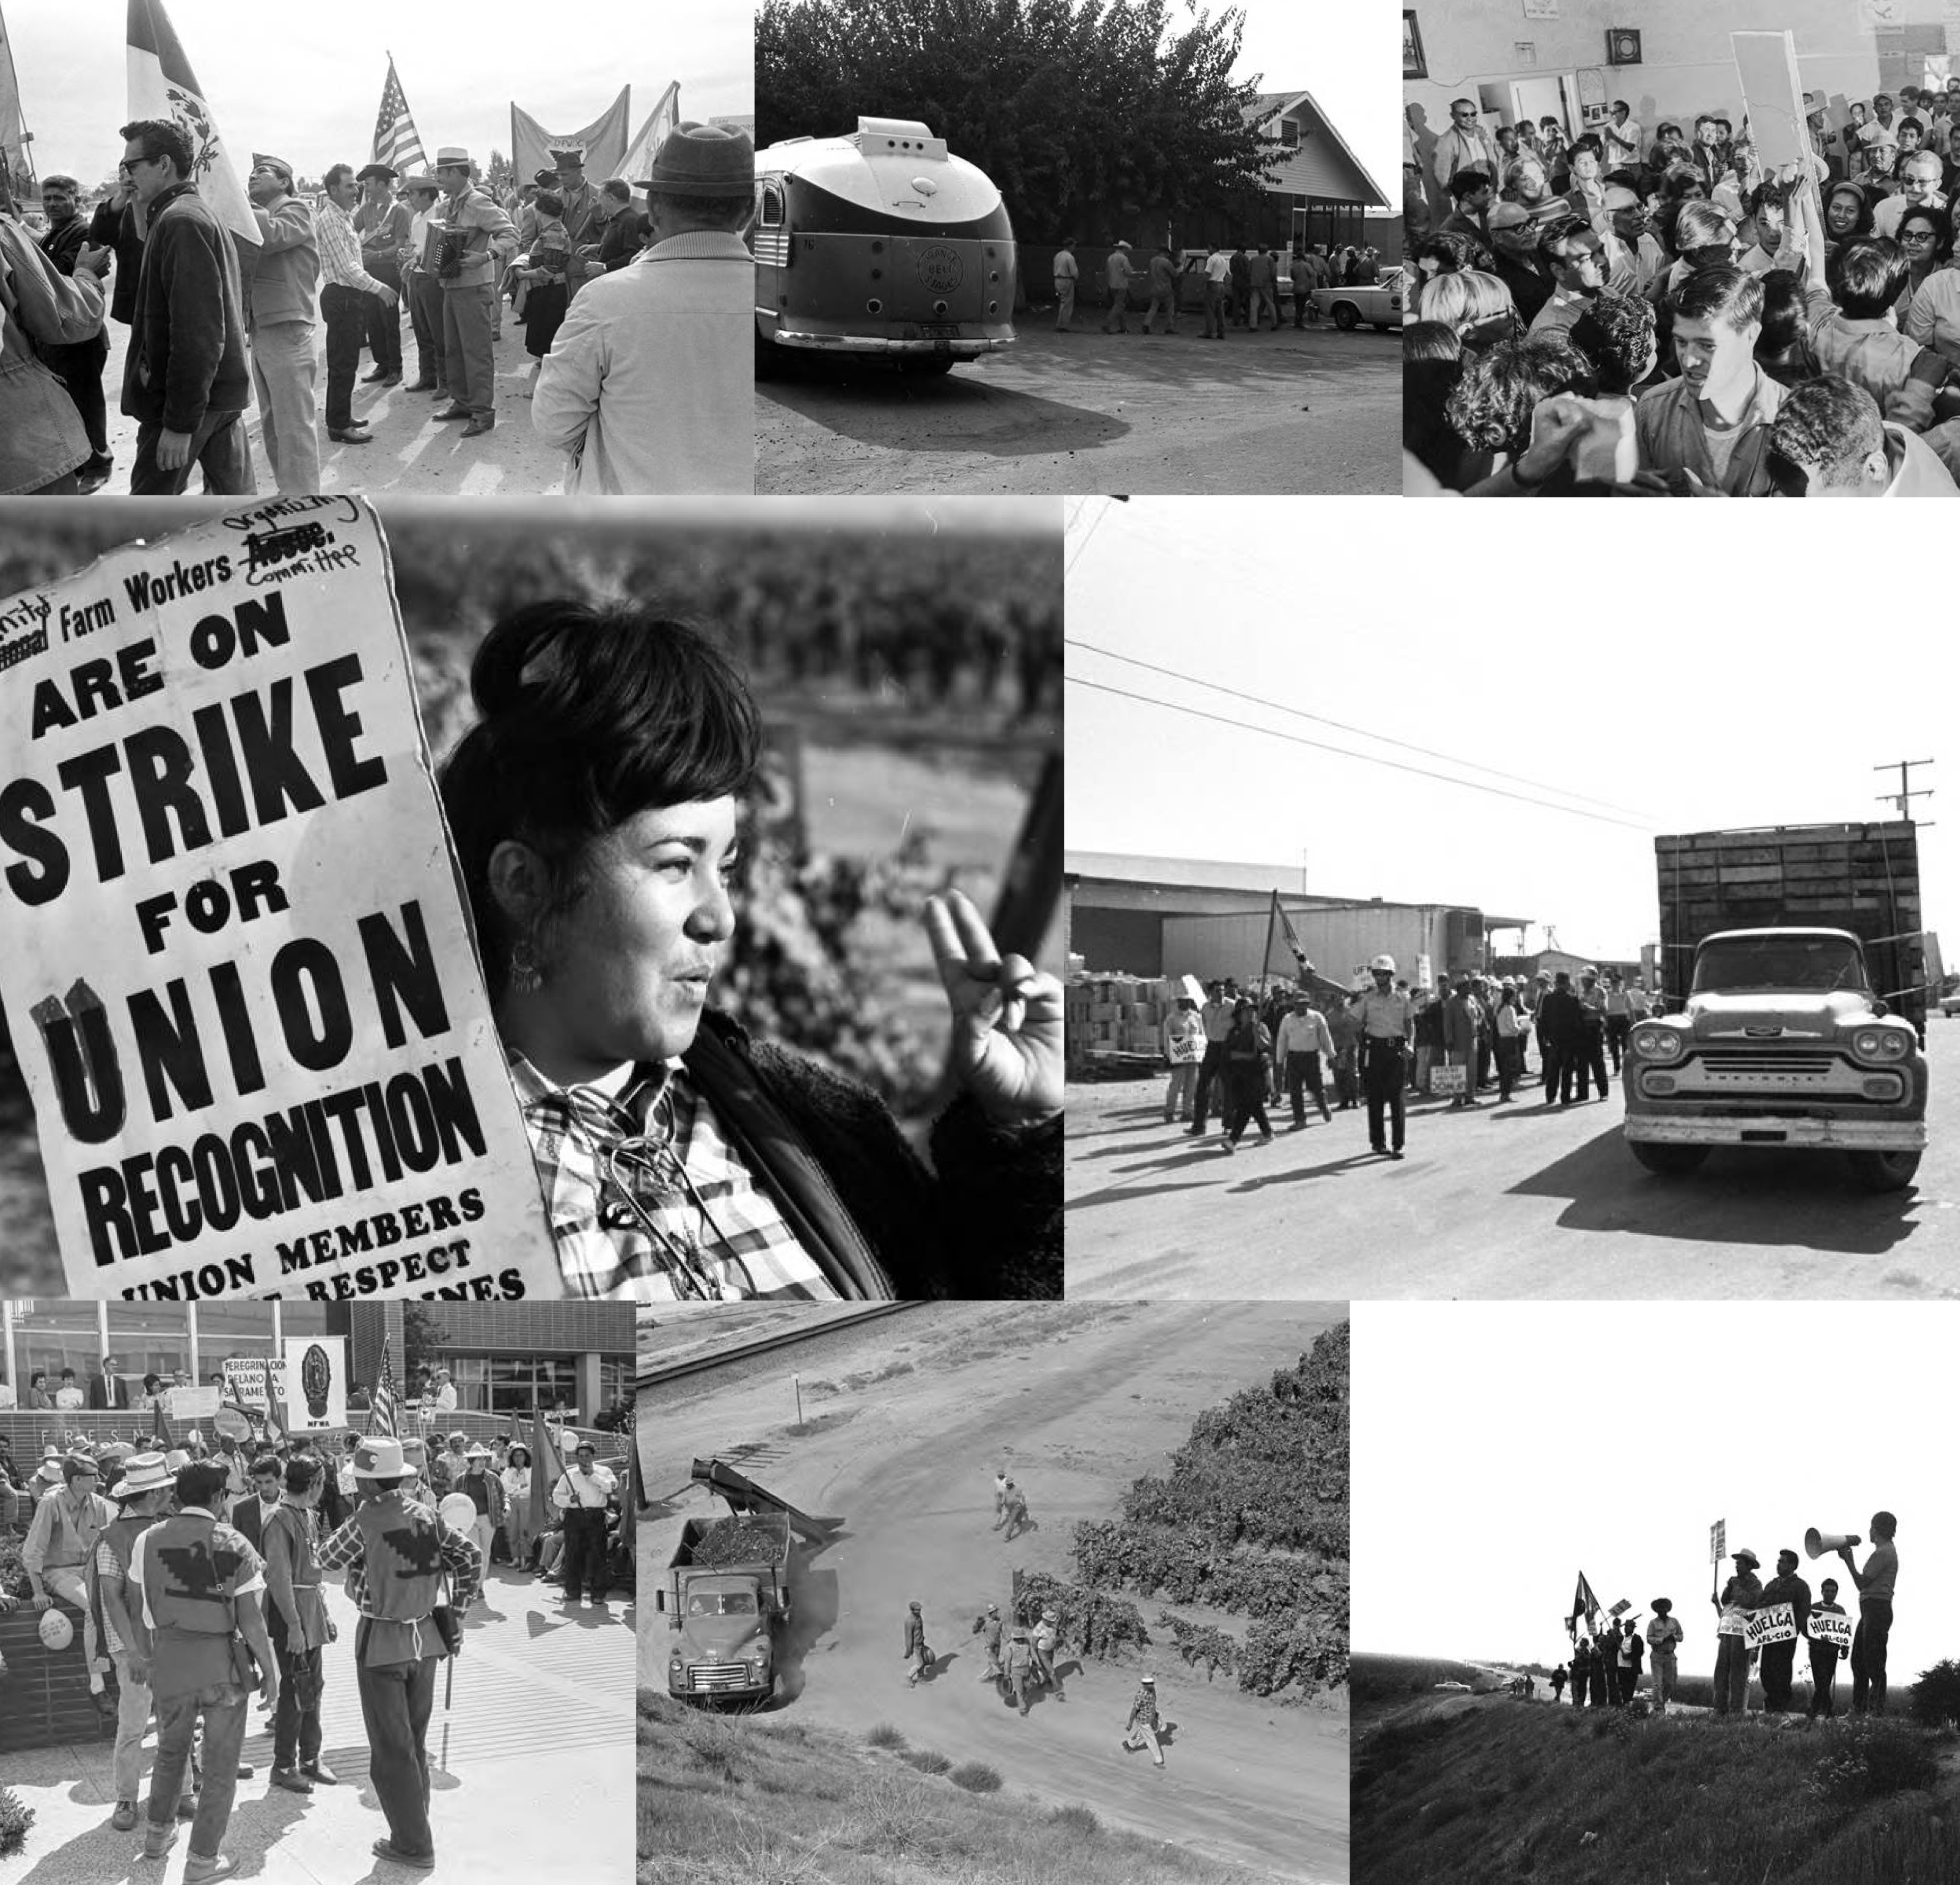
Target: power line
{"points": [[1370, 759], [1300, 713]]}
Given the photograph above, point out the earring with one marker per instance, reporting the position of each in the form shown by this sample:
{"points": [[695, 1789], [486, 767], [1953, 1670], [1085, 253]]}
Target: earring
{"points": [[526, 978]]}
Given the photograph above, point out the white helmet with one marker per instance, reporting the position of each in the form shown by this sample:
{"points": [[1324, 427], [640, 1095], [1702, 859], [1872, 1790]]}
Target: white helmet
{"points": [[1384, 962]]}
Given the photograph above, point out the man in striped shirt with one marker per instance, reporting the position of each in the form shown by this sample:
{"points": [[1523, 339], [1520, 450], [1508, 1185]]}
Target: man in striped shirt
{"points": [[343, 303]]}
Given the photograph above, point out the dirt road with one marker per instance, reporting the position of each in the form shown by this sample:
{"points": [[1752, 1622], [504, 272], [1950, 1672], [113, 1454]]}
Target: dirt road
{"points": [[1313, 411], [1505, 1202], [1075, 1400], [410, 451]]}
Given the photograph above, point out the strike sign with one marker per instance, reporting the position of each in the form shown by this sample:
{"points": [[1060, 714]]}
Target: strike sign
{"points": [[234, 960], [1775, 1624], [1827, 1628]]}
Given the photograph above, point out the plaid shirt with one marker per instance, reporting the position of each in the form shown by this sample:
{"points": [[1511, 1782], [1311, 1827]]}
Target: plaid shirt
{"points": [[340, 249], [346, 1550], [735, 1240]]}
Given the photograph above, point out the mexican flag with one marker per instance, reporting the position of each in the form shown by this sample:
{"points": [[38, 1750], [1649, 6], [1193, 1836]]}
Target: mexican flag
{"points": [[547, 1467], [163, 85]]}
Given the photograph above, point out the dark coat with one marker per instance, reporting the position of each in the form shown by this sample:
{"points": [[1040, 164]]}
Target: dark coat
{"points": [[104, 1394], [187, 331], [983, 1221], [111, 228], [1563, 1017]]}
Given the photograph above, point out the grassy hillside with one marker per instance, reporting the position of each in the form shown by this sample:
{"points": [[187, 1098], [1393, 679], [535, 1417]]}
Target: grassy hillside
{"points": [[1503, 1791], [751, 1801]]}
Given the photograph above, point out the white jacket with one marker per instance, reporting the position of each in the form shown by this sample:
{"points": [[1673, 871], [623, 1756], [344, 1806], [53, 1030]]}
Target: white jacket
{"points": [[650, 384]]}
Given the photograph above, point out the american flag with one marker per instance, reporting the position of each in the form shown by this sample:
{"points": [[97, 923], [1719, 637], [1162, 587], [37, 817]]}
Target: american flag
{"points": [[396, 141], [382, 1409]]}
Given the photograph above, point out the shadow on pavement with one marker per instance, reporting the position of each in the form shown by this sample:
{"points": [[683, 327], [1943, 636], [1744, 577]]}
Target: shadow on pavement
{"points": [[995, 421], [1763, 1196], [1117, 1193]]}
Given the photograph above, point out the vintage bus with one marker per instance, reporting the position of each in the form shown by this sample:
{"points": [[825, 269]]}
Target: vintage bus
{"points": [[881, 243]]}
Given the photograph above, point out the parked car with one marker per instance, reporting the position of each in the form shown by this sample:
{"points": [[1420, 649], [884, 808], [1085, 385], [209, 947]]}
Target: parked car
{"points": [[1378, 304]]}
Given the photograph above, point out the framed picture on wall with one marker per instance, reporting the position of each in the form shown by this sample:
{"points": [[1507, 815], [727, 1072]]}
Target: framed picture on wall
{"points": [[1414, 65]]}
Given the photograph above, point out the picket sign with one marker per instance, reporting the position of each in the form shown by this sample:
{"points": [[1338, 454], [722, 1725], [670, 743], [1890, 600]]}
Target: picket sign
{"points": [[1777, 1624], [1834, 1630], [1186, 1052], [1448, 1080]]}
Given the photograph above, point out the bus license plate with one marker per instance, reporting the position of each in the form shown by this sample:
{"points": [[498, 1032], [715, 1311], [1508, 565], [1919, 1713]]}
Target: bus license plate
{"points": [[940, 330]]}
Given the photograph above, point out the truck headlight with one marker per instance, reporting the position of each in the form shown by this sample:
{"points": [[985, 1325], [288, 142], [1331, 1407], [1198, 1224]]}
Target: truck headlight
{"points": [[1657, 1043], [1882, 1043]]}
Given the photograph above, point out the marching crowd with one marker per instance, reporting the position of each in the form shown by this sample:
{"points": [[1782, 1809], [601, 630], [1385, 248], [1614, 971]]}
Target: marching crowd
{"points": [[639, 374], [1612, 316], [196, 1575], [1386, 1042]]}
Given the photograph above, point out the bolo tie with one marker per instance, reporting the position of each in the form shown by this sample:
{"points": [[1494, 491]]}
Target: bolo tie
{"points": [[634, 1162]]}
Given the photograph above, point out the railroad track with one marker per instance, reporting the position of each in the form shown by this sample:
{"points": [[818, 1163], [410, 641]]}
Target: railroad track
{"points": [[655, 1375]]}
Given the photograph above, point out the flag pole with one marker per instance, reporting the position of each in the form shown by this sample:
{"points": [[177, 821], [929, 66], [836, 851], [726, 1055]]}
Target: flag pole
{"points": [[1272, 915]]}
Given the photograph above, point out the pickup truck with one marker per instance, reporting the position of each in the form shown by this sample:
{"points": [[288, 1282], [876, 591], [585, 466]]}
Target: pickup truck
{"points": [[1377, 303]]}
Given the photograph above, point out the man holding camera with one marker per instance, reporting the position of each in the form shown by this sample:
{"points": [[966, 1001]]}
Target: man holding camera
{"points": [[475, 241]]}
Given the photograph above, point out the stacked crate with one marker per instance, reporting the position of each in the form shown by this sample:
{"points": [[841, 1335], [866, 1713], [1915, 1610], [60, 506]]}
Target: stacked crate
{"points": [[1117, 1017]]}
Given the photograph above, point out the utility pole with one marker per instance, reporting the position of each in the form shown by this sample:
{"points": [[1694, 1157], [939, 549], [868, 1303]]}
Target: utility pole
{"points": [[1903, 798]]}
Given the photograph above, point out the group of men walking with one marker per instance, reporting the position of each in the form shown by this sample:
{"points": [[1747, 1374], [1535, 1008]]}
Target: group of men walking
{"points": [[1239, 286], [1022, 1657]]}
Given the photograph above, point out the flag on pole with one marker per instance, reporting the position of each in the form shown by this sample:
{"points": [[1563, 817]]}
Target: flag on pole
{"points": [[1585, 1605], [603, 141], [160, 1425], [547, 1468], [163, 85], [16, 159], [383, 1408], [660, 125], [397, 142]]}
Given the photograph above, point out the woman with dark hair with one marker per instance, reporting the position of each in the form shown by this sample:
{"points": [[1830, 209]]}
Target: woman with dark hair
{"points": [[1248, 1049], [1933, 318], [1926, 237], [39, 1399], [595, 806], [1490, 411], [1847, 216]]}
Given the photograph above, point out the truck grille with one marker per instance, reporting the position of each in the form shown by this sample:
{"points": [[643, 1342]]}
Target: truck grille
{"points": [[710, 1675], [1739, 1072], [1726, 1066]]}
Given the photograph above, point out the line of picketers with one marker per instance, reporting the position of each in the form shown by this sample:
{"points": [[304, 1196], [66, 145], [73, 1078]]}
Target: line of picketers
{"points": [[1389, 1041]]}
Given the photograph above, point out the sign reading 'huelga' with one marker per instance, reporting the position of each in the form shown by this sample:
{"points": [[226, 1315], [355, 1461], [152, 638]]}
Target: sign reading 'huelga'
{"points": [[233, 957]]}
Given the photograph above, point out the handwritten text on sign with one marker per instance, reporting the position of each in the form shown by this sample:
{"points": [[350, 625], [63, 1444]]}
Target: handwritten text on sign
{"points": [[1777, 1623], [1826, 1629], [236, 970]]}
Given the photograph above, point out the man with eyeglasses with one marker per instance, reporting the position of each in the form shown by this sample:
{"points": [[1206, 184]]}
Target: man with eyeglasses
{"points": [[1920, 177], [1647, 261], [1466, 145], [185, 381], [1577, 258]]}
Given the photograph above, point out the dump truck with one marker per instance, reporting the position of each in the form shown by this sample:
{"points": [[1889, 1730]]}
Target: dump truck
{"points": [[727, 1593], [1794, 991]]}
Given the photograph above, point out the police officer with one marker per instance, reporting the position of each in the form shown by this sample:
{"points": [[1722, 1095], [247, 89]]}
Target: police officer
{"points": [[990, 1635], [1825, 1654], [395, 1553], [1142, 1726], [199, 1584], [1388, 1037]]}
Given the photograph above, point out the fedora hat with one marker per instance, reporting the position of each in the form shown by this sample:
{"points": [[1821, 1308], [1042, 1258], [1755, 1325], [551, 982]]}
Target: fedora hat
{"points": [[145, 1472], [367, 171], [379, 1457], [478, 1452], [452, 157], [702, 160]]}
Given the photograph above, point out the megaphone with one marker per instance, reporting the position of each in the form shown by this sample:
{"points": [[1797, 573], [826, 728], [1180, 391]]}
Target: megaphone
{"points": [[1816, 1543]]}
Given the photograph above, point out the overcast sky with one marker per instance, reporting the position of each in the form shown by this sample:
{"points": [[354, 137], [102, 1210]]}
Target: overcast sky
{"points": [[1655, 660], [305, 81], [1353, 69], [1501, 1448]]}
